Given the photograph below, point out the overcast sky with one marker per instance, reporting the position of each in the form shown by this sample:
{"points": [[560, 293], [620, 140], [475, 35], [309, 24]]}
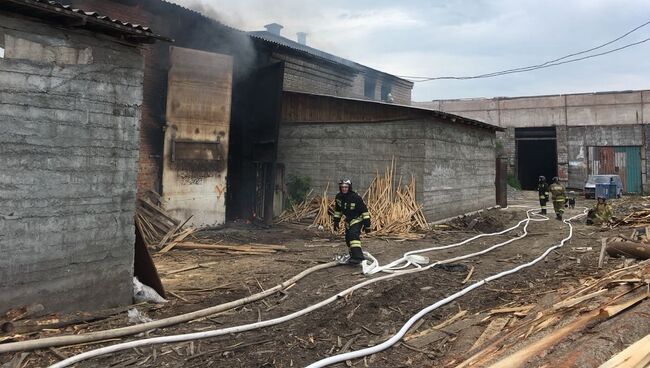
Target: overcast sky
{"points": [[465, 37]]}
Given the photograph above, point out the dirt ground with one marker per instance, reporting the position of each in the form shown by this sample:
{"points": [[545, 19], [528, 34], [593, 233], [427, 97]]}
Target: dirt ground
{"points": [[368, 317]]}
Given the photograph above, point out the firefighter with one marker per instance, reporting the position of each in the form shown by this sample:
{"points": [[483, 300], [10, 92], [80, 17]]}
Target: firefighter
{"points": [[357, 218], [601, 214], [542, 189], [559, 197]]}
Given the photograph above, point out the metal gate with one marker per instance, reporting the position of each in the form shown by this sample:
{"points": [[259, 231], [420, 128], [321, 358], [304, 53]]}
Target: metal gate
{"points": [[624, 161]]}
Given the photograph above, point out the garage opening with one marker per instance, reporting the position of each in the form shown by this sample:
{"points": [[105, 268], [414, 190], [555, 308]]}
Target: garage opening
{"points": [[536, 155]]}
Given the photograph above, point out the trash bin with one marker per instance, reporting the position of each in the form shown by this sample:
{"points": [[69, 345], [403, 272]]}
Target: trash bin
{"points": [[602, 190], [612, 190]]}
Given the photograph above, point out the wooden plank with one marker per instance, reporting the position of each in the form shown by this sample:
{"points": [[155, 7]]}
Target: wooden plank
{"points": [[601, 258], [573, 301], [636, 355]]}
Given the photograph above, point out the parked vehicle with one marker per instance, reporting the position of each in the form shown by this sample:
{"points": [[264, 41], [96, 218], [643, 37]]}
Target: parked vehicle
{"points": [[590, 185]]}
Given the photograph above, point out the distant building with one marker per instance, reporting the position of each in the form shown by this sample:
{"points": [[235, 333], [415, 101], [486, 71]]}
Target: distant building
{"points": [[71, 91], [570, 136]]}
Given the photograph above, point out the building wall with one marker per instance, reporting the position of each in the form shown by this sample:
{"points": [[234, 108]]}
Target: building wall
{"points": [[460, 169], [614, 118], [453, 164], [68, 161], [307, 75]]}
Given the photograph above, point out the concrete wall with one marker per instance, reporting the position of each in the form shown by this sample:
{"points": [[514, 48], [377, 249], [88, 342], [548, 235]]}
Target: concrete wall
{"points": [[460, 169], [581, 137], [453, 164], [69, 110], [581, 120]]}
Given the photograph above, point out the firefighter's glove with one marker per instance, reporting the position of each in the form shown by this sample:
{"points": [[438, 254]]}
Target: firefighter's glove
{"points": [[367, 230], [366, 225], [336, 226]]}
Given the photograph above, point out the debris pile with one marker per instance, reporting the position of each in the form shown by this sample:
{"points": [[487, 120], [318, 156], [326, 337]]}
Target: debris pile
{"points": [[392, 206], [514, 335], [638, 213], [159, 229]]}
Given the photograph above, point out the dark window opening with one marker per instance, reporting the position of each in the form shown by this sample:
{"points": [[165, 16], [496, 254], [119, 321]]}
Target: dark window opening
{"points": [[386, 92], [369, 88]]}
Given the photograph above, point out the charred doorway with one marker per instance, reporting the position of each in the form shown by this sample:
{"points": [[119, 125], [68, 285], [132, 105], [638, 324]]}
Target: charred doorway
{"points": [[254, 145], [536, 150]]}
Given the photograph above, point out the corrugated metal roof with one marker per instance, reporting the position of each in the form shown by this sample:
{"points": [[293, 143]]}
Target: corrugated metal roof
{"points": [[283, 41], [58, 9]]}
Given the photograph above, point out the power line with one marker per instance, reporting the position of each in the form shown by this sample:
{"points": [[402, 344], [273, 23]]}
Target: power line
{"points": [[546, 64]]}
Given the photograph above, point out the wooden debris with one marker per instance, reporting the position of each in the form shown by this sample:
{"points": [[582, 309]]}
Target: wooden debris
{"points": [[574, 301], [524, 308], [601, 257], [392, 206], [250, 249], [158, 228], [636, 355], [495, 326], [469, 275]]}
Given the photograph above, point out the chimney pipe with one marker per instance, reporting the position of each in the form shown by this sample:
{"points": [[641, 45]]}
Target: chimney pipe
{"points": [[274, 28], [302, 38]]}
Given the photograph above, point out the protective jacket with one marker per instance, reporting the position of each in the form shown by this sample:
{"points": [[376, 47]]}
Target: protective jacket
{"points": [[542, 189], [351, 206]]}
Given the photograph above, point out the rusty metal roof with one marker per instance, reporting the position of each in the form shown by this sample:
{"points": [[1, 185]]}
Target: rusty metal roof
{"points": [[457, 119], [56, 11]]}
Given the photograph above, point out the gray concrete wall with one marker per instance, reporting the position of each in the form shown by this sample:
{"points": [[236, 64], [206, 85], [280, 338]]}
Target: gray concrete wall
{"points": [[607, 118], [459, 173], [69, 111], [582, 137], [453, 164]]}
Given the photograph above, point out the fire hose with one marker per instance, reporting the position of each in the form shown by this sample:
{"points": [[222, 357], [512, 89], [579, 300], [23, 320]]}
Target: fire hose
{"points": [[275, 321], [395, 338]]}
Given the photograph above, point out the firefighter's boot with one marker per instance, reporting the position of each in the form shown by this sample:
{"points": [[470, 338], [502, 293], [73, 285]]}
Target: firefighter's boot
{"points": [[356, 255]]}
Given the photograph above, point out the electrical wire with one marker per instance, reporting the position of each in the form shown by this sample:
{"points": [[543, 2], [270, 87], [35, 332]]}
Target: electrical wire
{"points": [[547, 64]]}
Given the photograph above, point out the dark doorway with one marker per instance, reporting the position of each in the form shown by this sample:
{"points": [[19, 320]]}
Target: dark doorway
{"points": [[536, 155], [253, 145]]}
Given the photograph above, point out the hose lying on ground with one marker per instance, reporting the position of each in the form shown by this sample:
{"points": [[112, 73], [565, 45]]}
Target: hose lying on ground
{"points": [[165, 322], [411, 258], [274, 321], [393, 340]]}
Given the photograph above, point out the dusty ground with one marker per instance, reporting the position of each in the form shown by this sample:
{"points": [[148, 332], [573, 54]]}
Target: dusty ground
{"points": [[368, 317]]}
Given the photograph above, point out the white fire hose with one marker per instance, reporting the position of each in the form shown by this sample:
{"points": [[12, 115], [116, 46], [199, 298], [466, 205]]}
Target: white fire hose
{"points": [[398, 336], [404, 262]]}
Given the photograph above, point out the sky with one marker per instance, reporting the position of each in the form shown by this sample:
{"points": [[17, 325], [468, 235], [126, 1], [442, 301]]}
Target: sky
{"points": [[465, 37]]}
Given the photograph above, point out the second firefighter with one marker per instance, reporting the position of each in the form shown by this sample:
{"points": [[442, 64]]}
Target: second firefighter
{"points": [[542, 189], [357, 218]]}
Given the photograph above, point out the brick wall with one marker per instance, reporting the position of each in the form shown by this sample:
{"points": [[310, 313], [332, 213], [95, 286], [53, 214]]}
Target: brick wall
{"points": [[68, 162], [453, 164]]}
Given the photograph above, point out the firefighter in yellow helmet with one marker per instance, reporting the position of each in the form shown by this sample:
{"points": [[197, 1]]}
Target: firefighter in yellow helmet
{"points": [[349, 204], [559, 197]]}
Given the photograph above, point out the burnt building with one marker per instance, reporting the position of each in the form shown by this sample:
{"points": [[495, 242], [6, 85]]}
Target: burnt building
{"points": [[311, 70], [70, 97], [215, 135]]}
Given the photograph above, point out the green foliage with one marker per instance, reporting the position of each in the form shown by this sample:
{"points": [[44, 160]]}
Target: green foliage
{"points": [[298, 187], [513, 181]]}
